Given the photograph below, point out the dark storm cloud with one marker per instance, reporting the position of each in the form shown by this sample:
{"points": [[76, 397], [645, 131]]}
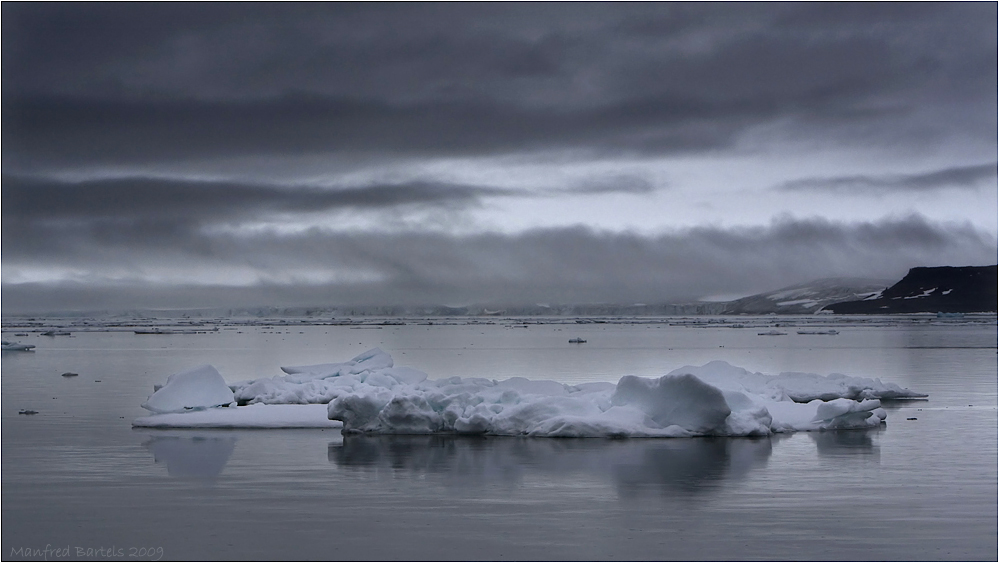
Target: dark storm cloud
{"points": [[39, 213], [140, 198], [92, 89], [75, 132], [963, 177], [135, 83], [568, 265]]}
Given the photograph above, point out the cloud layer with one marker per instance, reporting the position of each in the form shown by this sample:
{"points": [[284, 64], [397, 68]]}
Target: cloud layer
{"points": [[960, 177], [574, 265], [141, 83], [309, 153]]}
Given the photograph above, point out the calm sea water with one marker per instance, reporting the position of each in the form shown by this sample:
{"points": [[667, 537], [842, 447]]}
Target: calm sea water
{"points": [[78, 480]]}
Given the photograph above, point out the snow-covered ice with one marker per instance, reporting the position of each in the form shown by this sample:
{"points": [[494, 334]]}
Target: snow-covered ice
{"points": [[200, 387], [368, 394], [798, 387], [252, 416]]}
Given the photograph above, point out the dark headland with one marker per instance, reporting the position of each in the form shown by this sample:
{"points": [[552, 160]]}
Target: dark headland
{"points": [[944, 289]]}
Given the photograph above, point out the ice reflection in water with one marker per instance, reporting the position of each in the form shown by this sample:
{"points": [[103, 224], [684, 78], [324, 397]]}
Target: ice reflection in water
{"points": [[634, 467], [852, 442], [686, 466], [193, 456]]}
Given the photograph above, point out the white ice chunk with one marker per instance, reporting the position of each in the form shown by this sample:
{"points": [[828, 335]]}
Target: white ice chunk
{"points": [[253, 416], [409, 376], [670, 406], [373, 359], [593, 387], [826, 415], [681, 400], [197, 388], [803, 387], [322, 383], [526, 386], [800, 387], [369, 395]]}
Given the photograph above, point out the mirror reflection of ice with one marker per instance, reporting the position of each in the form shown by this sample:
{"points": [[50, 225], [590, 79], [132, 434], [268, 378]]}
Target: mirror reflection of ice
{"points": [[853, 443], [634, 466], [369, 395], [196, 456]]}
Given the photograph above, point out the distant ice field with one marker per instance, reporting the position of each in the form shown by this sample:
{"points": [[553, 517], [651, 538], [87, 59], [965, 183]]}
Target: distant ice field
{"points": [[77, 474]]}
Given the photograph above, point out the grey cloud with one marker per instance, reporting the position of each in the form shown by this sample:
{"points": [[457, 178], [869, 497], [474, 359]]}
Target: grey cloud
{"points": [[137, 83], [614, 183], [41, 213], [64, 131], [150, 198], [183, 87], [962, 177], [553, 265], [424, 48], [68, 218], [257, 49]]}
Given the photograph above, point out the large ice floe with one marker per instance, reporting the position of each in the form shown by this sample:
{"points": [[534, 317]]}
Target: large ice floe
{"points": [[369, 395]]}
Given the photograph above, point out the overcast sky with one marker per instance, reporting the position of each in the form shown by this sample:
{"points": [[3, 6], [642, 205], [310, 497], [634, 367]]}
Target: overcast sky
{"points": [[199, 154]]}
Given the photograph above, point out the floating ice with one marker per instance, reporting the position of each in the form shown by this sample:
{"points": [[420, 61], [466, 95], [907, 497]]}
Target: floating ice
{"points": [[197, 388], [253, 416], [675, 405], [320, 383], [369, 395], [798, 387]]}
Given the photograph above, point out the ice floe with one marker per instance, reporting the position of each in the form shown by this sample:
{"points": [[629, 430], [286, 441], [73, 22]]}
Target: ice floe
{"points": [[368, 394], [252, 416], [796, 386], [200, 387]]}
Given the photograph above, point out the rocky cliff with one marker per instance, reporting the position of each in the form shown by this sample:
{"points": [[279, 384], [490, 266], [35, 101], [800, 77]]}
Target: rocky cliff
{"points": [[945, 289], [806, 298]]}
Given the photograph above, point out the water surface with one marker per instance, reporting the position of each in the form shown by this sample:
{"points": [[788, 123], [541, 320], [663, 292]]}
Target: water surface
{"points": [[76, 475]]}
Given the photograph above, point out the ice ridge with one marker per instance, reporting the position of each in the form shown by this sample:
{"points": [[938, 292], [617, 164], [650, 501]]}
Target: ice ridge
{"points": [[368, 394]]}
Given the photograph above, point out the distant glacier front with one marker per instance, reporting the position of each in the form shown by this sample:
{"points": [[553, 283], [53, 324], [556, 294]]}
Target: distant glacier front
{"points": [[369, 395]]}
